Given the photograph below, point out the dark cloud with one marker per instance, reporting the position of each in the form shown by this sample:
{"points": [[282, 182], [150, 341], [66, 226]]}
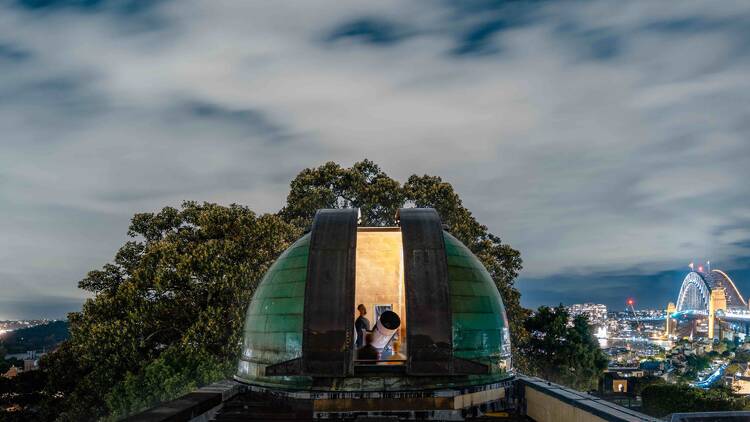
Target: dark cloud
{"points": [[479, 39], [58, 91], [374, 31], [133, 16], [597, 44], [11, 53], [478, 26], [692, 25], [254, 122], [120, 6]]}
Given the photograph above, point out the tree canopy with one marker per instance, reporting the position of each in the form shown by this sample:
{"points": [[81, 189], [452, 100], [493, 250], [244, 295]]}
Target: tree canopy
{"points": [[563, 351], [662, 399], [167, 313]]}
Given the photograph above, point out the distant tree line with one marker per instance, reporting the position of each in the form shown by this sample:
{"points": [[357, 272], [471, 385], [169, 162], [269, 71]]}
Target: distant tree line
{"points": [[37, 338], [168, 311]]}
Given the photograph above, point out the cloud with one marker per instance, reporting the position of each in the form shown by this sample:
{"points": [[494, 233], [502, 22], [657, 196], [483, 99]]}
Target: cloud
{"points": [[597, 138], [372, 31]]}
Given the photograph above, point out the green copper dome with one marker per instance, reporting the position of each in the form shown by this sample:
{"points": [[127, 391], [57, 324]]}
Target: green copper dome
{"points": [[274, 327], [480, 325]]}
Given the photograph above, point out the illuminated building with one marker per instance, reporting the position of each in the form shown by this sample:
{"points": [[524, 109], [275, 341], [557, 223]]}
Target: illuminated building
{"points": [[596, 313]]}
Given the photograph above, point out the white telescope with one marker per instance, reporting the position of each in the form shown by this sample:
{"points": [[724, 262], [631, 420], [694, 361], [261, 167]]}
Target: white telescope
{"points": [[386, 326]]}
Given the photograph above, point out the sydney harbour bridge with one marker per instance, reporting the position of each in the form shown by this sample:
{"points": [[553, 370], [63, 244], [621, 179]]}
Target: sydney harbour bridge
{"points": [[711, 296], [709, 300]]}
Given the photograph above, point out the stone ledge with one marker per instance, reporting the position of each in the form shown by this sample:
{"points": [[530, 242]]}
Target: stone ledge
{"points": [[199, 405], [583, 401]]}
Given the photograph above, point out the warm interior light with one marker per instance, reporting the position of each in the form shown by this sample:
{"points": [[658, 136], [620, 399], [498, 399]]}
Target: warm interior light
{"points": [[379, 281]]}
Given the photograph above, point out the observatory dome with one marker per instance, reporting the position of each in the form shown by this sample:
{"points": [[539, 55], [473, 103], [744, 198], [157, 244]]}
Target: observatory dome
{"points": [[299, 329]]}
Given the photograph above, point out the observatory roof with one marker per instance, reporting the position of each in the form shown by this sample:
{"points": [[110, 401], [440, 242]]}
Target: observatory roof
{"points": [[275, 323]]}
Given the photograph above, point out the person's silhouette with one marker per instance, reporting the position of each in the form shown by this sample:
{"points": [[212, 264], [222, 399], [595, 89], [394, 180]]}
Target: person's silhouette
{"points": [[368, 352], [362, 325]]}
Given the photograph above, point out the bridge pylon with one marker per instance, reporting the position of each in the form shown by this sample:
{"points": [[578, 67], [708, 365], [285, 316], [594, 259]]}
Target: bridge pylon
{"points": [[717, 302], [671, 308]]}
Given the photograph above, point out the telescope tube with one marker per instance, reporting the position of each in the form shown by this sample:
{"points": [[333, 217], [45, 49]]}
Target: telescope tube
{"points": [[387, 324]]}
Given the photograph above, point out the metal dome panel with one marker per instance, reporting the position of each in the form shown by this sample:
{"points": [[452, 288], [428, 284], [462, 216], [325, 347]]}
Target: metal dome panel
{"points": [[480, 324], [273, 325]]}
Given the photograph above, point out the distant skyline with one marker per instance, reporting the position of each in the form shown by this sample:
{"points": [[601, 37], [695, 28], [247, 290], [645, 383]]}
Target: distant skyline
{"points": [[613, 292], [607, 141]]}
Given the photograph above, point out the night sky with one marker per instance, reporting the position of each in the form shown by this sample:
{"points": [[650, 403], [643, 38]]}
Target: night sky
{"points": [[608, 141]]}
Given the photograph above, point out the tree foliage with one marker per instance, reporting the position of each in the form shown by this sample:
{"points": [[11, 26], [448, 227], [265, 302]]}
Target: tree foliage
{"points": [[167, 313], [662, 399], [362, 186], [564, 353], [638, 384], [694, 364], [174, 373]]}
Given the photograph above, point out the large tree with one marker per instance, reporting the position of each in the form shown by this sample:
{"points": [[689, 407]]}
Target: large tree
{"points": [[167, 314], [561, 349]]}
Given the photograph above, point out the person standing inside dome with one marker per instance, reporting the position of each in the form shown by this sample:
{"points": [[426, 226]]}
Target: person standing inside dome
{"points": [[361, 325]]}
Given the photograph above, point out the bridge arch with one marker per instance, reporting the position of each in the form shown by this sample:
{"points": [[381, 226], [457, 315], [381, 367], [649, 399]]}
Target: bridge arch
{"points": [[734, 297], [695, 293]]}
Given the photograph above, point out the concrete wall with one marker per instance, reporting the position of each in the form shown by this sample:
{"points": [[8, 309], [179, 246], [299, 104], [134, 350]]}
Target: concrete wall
{"points": [[545, 408], [548, 402]]}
